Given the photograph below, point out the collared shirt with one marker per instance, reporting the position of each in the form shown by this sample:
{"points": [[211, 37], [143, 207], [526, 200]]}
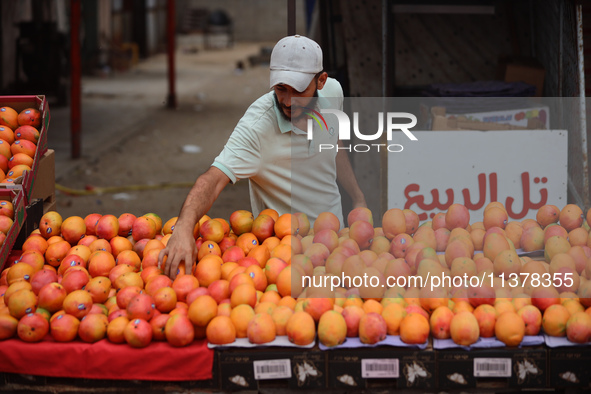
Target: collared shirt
{"points": [[287, 172]]}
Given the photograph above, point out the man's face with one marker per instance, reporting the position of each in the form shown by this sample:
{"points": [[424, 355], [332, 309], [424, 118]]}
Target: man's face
{"points": [[295, 112], [284, 94]]}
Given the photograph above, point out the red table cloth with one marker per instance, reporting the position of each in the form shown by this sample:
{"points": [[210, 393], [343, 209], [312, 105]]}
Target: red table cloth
{"points": [[106, 360]]}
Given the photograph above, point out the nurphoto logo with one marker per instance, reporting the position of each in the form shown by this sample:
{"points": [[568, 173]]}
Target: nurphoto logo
{"points": [[344, 130]]}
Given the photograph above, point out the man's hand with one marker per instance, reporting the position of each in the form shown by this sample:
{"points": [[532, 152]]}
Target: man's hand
{"points": [[180, 249], [181, 246]]}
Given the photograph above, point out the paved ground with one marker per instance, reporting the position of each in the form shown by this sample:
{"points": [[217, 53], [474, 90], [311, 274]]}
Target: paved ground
{"points": [[132, 142]]}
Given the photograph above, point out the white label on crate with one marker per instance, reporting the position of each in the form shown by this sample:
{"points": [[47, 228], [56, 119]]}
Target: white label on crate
{"points": [[272, 369], [492, 367], [379, 368]]}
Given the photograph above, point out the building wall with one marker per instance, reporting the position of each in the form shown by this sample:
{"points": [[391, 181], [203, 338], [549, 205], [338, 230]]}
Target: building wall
{"points": [[253, 20]]}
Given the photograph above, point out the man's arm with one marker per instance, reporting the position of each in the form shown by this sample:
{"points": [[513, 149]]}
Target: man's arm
{"points": [[181, 245], [346, 178]]}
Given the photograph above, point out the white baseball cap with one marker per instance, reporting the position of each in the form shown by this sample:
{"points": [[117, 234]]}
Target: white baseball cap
{"points": [[295, 61]]}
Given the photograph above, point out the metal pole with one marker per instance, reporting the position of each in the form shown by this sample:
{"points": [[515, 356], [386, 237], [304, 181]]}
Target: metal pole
{"points": [[75, 75], [170, 35], [291, 17], [582, 105]]}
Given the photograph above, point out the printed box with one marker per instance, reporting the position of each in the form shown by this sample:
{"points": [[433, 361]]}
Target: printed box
{"points": [[381, 367], [492, 368]]}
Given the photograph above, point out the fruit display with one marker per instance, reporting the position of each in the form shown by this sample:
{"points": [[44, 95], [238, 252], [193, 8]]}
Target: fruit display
{"points": [[19, 135], [258, 278]]}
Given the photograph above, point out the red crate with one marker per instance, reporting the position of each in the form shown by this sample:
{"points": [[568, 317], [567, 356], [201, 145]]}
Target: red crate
{"points": [[19, 103], [15, 195]]}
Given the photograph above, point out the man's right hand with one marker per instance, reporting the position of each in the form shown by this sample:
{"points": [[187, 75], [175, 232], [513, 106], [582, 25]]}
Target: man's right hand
{"points": [[180, 249]]}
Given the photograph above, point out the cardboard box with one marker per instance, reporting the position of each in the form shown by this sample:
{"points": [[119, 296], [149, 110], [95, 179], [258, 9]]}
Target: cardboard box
{"points": [[569, 367], [19, 103], [492, 368], [526, 70], [44, 186], [261, 368], [16, 196], [382, 366], [534, 118]]}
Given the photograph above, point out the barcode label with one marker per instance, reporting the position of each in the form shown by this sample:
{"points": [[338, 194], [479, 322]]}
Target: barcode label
{"points": [[379, 368], [492, 367], [272, 369]]}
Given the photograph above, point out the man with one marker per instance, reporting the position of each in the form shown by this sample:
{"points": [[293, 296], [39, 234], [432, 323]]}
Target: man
{"points": [[286, 171]]}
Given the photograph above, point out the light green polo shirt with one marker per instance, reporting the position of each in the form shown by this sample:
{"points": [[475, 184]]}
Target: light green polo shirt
{"points": [[286, 171]]}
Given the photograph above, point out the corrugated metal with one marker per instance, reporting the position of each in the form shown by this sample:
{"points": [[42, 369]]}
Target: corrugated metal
{"points": [[456, 48], [558, 45]]}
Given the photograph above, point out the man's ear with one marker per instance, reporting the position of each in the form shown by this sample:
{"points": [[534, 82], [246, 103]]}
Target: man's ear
{"points": [[321, 80]]}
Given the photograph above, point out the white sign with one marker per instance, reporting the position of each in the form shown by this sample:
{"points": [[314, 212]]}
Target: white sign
{"points": [[522, 169], [492, 367], [272, 369], [379, 368]]}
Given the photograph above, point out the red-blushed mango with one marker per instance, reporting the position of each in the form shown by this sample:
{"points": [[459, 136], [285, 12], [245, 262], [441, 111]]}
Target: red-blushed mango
{"points": [[240, 316], [27, 132], [332, 329], [554, 320], [263, 227], [220, 331], [281, 315], [50, 224], [303, 224], [372, 328], [362, 232], [116, 329], [64, 328], [532, 318], [555, 245], [393, 223], [352, 315], [107, 227], [18, 159], [22, 302], [486, 316], [547, 214], [93, 328], [514, 231], [578, 327], [440, 321], [510, 328], [571, 217], [32, 327], [457, 216], [158, 324], [327, 220], [179, 330], [241, 221], [494, 244], [495, 217], [261, 329], [144, 227], [23, 146], [138, 333], [414, 328], [359, 213], [300, 328], [6, 133], [30, 117], [464, 329], [507, 263], [9, 117]]}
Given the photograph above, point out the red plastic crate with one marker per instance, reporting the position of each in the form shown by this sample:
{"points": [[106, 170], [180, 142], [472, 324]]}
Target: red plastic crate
{"points": [[19, 103], [15, 195]]}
